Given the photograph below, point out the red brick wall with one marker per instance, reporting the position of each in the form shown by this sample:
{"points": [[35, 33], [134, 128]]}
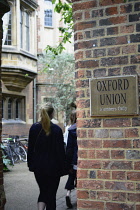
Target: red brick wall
{"points": [[107, 38], [16, 129]]}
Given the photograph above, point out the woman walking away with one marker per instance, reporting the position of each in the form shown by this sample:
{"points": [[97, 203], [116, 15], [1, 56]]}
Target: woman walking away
{"points": [[46, 157], [71, 157]]}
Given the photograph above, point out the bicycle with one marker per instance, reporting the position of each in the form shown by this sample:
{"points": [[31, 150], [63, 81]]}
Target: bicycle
{"points": [[25, 144], [19, 148], [8, 151]]}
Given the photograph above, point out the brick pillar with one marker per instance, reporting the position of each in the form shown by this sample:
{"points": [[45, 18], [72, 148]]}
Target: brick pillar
{"points": [[107, 37], [4, 7]]}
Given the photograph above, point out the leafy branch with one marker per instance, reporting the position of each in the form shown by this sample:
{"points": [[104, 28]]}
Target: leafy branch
{"points": [[59, 75], [66, 11]]}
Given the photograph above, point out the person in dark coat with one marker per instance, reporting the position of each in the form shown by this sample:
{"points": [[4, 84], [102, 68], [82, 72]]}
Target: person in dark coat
{"points": [[71, 157], [46, 157]]}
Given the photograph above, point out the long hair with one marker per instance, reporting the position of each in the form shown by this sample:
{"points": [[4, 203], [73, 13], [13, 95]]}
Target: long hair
{"points": [[46, 112]]}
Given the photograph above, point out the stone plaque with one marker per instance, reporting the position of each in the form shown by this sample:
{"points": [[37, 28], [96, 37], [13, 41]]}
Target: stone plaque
{"points": [[114, 96]]}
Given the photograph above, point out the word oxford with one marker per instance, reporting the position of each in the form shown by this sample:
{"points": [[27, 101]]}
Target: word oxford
{"points": [[112, 85]]}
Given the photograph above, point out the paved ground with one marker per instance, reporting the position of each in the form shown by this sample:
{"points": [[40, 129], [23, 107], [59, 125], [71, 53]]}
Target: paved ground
{"points": [[22, 191]]}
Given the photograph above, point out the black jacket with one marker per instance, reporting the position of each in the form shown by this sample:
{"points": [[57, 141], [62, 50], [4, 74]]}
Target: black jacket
{"points": [[46, 153], [72, 147]]}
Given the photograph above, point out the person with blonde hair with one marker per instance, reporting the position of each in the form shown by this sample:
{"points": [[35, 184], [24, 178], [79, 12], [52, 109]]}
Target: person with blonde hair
{"points": [[46, 157]]}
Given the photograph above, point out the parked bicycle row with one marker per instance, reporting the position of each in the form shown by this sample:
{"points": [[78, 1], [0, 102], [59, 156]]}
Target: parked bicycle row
{"points": [[14, 149]]}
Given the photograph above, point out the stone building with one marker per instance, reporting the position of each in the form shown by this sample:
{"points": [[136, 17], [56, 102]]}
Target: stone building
{"points": [[19, 66], [4, 8], [28, 26]]}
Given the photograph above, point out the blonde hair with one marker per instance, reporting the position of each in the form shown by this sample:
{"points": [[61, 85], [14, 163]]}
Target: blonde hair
{"points": [[46, 112]]}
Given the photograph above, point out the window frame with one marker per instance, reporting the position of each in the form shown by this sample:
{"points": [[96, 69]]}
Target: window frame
{"points": [[3, 102], [21, 28], [17, 109], [48, 13], [8, 38], [10, 111], [48, 18], [27, 31]]}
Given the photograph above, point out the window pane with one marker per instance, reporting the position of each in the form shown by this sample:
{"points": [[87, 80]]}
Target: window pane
{"points": [[21, 29], [48, 2], [8, 40], [27, 32], [2, 109], [48, 17], [9, 109], [17, 109]]}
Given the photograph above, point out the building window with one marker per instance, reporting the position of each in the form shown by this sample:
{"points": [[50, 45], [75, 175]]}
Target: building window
{"points": [[13, 108], [21, 29], [7, 29], [2, 108], [24, 30], [17, 109], [27, 32], [9, 109], [48, 17], [48, 14], [48, 100]]}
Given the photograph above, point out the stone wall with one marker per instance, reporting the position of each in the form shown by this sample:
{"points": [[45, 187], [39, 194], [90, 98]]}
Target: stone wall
{"points": [[107, 38], [4, 7]]}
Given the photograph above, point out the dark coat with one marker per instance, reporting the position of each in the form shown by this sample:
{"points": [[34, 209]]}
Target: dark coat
{"points": [[46, 153], [72, 147]]}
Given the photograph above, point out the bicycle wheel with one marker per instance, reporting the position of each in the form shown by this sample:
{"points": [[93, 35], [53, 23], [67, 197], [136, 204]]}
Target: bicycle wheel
{"points": [[15, 156], [23, 153]]}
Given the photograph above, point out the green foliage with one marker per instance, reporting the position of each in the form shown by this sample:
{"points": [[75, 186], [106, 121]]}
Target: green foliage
{"points": [[60, 70], [6, 161], [65, 8]]}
